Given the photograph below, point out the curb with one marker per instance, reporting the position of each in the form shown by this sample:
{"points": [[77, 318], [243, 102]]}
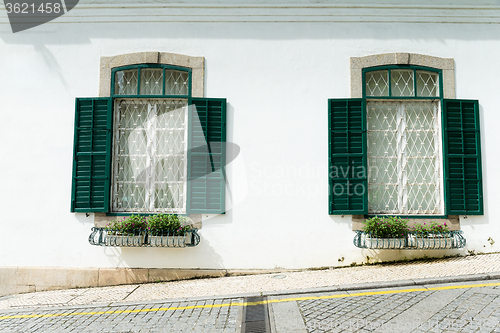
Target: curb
{"points": [[389, 284]]}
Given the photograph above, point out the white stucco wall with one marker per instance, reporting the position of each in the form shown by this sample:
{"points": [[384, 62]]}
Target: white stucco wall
{"points": [[276, 76]]}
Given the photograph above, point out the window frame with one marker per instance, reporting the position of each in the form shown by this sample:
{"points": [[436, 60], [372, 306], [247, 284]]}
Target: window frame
{"points": [[412, 67], [462, 200], [115, 97], [142, 66], [439, 98], [438, 162], [205, 192]]}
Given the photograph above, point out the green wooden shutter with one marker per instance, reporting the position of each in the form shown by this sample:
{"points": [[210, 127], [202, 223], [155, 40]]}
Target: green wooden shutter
{"points": [[207, 156], [462, 157], [347, 160], [92, 155]]}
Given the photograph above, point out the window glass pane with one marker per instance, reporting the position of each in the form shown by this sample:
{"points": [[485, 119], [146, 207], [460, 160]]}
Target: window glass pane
{"points": [[404, 158], [382, 157], [176, 82], [382, 199], [126, 82], [402, 83], [377, 83], [151, 81], [130, 155], [149, 166], [170, 154], [422, 158], [427, 84]]}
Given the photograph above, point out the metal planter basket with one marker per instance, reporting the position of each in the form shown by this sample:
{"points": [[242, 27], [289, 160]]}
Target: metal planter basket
{"points": [[412, 241], [171, 240], [384, 243], [141, 238], [115, 239], [445, 240]]}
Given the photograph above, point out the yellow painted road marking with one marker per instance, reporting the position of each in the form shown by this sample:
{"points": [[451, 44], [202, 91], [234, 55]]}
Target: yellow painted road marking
{"points": [[211, 306]]}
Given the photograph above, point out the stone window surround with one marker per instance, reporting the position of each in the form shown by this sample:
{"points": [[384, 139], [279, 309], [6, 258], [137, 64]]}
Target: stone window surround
{"points": [[197, 66], [447, 65], [359, 63]]}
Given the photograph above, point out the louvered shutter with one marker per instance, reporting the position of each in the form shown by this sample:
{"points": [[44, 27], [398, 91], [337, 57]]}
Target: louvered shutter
{"points": [[92, 155], [348, 188], [207, 156], [462, 157]]}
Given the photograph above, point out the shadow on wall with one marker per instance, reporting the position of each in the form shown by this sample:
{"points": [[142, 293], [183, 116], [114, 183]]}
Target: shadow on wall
{"points": [[342, 219], [378, 256], [83, 219], [72, 33], [202, 256], [51, 62]]}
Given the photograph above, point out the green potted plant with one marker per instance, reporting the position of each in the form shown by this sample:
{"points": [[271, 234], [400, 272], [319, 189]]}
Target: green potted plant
{"points": [[431, 235], [386, 232], [127, 231], [169, 230]]}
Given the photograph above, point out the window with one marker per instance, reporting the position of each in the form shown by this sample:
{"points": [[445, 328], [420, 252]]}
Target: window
{"points": [[151, 147], [149, 156], [150, 139], [404, 141], [402, 149]]}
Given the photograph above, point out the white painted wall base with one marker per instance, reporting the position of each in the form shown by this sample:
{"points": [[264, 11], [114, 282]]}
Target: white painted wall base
{"points": [[16, 280]]}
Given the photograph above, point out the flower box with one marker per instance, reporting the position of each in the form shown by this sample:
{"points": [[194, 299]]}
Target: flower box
{"points": [[385, 243], [141, 238], [428, 235], [117, 239], [414, 241], [432, 241], [169, 240]]}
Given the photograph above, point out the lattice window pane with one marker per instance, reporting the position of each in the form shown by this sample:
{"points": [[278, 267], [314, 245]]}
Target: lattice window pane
{"points": [[427, 84], [383, 199], [404, 158], [377, 83], [402, 83], [176, 82], [151, 81], [131, 197], [382, 148], [171, 157], [126, 82], [149, 163], [422, 199]]}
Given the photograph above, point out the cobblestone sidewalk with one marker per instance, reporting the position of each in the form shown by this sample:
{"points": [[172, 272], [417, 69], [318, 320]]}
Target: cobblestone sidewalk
{"points": [[258, 283]]}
